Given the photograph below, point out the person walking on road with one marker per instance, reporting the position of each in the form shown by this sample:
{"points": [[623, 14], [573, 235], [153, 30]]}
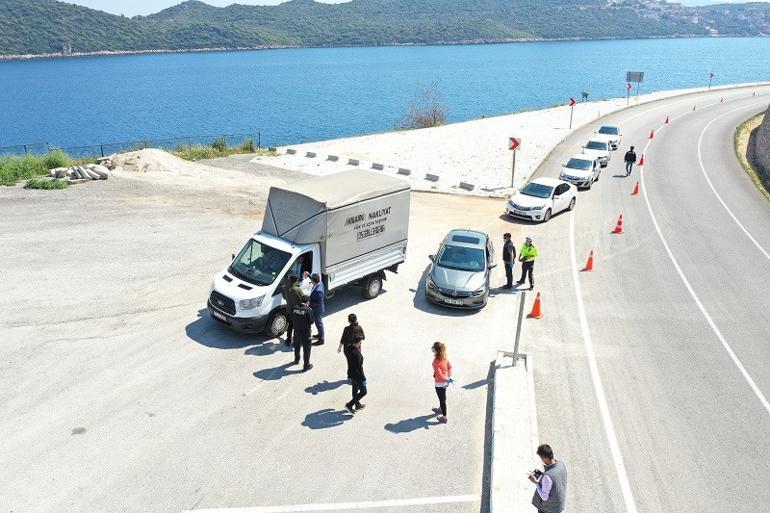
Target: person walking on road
{"points": [[442, 377], [630, 160], [509, 258], [302, 320], [317, 304], [356, 376], [352, 333], [527, 256], [550, 484], [292, 294]]}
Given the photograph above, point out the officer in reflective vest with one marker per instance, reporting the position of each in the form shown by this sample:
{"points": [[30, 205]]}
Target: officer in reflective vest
{"points": [[527, 255]]}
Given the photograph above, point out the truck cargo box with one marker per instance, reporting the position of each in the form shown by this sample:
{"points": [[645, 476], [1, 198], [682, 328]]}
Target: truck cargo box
{"points": [[350, 214]]}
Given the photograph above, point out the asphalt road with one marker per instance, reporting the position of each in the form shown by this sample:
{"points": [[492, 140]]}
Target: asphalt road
{"points": [[674, 416], [118, 393]]}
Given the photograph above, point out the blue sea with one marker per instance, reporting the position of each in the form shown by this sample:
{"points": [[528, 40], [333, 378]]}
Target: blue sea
{"points": [[297, 95]]}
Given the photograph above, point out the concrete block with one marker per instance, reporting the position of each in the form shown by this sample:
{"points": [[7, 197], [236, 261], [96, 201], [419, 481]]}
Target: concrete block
{"points": [[404, 171], [102, 171], [332, 158], [431, 178], [467, 186], [377, 166], [353, 162], [272, 148], [310, 154], [291, 151]]}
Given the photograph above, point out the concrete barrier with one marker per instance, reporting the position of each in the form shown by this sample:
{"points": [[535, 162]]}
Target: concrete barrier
{"points": [[353, 162], [514, 435], [431, 178], [404, 171], [377, 166], [310, 155], [272, 148], [467, 186], [291, 151], [332, 158]]}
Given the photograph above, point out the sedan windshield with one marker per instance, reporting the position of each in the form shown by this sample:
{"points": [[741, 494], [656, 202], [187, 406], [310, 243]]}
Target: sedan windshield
{"points": [[609, 130], [461, 258], [259, 263], [537, 190], [596, 145], [581, 164]]}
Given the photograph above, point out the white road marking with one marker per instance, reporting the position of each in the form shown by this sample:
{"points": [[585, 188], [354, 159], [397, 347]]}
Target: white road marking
{"points": [[708, 180], [332, 506], [725, 344], [609, 429]]}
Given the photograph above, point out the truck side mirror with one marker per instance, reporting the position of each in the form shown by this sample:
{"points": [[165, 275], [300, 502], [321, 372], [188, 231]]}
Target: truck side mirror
{"points": [[492, 265], [431, 257], [232, 257]]}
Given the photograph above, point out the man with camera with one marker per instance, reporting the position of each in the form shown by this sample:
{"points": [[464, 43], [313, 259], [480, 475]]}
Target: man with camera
{"points": [[551, 483]]}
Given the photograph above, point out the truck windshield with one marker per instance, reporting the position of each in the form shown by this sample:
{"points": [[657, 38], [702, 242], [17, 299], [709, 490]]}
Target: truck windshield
{"points": [[259, 263], [461, 258]]}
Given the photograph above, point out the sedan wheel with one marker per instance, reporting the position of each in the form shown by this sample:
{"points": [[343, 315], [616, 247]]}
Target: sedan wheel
{"points": [[547, 215], [572, 203]]}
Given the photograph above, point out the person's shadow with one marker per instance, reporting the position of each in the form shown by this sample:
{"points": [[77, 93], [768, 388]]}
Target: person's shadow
{"points": [[325, 386], [277, 373], [326, 418], [413, 424]]}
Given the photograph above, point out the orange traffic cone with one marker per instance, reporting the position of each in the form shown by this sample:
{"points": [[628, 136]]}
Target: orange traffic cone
{"points": [[536, 313], [641, 160], [619, 227], [666, 120], [636, 189], [652, 134], [590, 264]]}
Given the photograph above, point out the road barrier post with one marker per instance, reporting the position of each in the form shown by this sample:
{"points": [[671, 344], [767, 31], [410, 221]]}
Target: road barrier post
{"points": [[518, 328]]}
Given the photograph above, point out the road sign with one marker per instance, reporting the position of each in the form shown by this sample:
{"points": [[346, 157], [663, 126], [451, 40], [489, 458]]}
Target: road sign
{"points": [[634, 76], [572, 102], [514, 143], [628, 86]]}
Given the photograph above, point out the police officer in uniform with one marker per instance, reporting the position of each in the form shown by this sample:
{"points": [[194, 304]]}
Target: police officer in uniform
{"points": [[509, 258], [527, 255], [302, 320]]}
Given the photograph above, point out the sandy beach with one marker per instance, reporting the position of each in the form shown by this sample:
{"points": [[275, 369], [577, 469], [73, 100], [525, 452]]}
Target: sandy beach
{"points": [[473, 152]]}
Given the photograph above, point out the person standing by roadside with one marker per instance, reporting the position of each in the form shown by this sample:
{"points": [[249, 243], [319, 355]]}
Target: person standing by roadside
{"points": [[442, 377], [356, 376], [292, 294], [509, 258], [527, 256], [630, 160], [318, 305], [551, 483], [302, 320], [353, 332]]}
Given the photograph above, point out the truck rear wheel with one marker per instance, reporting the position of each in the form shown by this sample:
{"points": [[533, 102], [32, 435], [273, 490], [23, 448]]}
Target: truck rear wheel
{"points": [[372, 287], [277, 324]]}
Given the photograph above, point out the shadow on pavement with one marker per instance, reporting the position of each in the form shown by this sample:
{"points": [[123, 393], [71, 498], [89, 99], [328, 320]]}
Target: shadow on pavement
{"points": [[269, 347], [326, 386], [486, 475], [326, 418], [208, 332], [277, 373], [413, 424], [476, 384]]}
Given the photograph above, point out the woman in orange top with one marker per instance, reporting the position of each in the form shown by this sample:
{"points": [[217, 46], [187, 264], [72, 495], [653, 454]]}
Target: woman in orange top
{"points": [[442, 376]]}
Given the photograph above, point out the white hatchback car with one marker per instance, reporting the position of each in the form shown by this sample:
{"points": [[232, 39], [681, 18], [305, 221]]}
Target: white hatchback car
{"points": [[581, 171], [611, 134], [541, 198], [598, 149]]}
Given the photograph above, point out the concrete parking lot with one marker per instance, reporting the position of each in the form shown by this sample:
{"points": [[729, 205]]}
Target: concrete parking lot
{"points": [[119, 393]]}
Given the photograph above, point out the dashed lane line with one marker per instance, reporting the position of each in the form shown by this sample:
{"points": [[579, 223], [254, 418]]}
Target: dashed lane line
{"points": [[609, 429], [341, 506]]}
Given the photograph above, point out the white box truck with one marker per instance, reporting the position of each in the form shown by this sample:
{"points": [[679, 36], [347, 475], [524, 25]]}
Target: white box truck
{"points": [[348, 227]]}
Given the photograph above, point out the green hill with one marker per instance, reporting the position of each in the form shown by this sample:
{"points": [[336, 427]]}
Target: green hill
{"points": [[48, 26]]}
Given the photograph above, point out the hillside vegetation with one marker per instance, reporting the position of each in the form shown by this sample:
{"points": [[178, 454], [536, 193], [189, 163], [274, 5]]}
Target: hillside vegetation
{"points": [[49, 26]]}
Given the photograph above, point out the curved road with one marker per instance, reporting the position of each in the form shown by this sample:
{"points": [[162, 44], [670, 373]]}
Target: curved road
{"points": [[653, 372]]}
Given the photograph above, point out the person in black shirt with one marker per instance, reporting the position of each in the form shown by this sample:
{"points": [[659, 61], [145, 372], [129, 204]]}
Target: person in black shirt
{"points": [[302, 320], [630, 160], [352, 332], [293, 296], [509, 258], [357, 377]]}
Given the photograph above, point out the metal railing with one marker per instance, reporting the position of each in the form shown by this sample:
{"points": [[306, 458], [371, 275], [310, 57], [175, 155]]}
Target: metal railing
{"points": [[102, 150]]}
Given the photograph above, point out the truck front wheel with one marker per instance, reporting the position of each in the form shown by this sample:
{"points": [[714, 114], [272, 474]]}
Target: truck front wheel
{"points": [[372, 287], [277, 324]]}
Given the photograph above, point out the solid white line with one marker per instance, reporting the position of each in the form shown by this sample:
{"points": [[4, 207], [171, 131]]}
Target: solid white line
{"points": [[708, 180], [609, 429], [725, 344], [332, 506]]}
